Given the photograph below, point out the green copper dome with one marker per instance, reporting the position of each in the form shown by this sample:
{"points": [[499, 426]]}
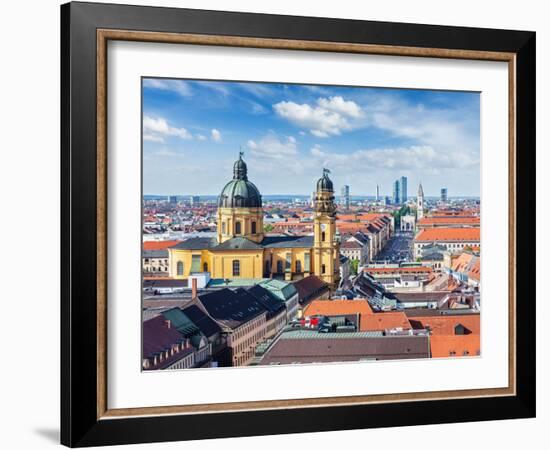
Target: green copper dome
{"points": [[240, 192]]}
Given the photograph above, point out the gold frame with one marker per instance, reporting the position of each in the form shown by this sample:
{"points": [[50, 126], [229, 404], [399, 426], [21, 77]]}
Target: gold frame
{"points": [[103, 36]]}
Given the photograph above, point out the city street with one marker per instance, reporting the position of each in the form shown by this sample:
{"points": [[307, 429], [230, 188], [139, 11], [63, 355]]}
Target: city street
{"points": [[398, 249]]}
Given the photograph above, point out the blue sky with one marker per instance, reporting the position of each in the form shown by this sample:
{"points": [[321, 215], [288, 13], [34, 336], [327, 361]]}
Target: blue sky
{"points": [[193, 130]]}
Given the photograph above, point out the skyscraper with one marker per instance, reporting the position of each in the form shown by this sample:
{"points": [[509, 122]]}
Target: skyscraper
{"points": [[344, 196], [403, 189], [420, 203], [443, 195], [396, 192]]}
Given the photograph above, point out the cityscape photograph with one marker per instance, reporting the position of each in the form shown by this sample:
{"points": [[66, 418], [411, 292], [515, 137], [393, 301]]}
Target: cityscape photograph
{"points": [[296, 224]]}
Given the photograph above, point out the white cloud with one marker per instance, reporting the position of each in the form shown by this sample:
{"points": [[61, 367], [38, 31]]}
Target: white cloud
{"points": [[331, 116], [178, 86], [157, 127], [201, 137], [152, 138], [273, 147], [258, 109], [167, 152], [414, 158], [258, 89], [216, 135], [341, 106], [316, 151]]}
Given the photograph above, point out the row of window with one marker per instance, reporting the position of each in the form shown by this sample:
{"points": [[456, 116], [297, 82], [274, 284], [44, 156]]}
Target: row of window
{"points": [[238, 227], [236, 267]]}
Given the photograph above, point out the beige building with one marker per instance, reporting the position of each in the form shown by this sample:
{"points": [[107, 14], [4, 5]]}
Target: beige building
{"points": [[242, 250]]}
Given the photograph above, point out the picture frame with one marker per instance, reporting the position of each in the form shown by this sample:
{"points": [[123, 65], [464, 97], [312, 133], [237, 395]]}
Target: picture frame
{"points": [[86, 418]]}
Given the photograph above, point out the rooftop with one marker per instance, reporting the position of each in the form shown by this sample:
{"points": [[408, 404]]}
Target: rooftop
{"points": [[451, 346], [448, 234]]}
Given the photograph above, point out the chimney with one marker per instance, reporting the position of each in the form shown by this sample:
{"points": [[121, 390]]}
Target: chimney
{"points": [[168, 324], [193, 287]]}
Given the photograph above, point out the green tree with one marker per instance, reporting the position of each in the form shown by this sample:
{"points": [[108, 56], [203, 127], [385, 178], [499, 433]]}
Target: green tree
{"points": [[354, 266]]}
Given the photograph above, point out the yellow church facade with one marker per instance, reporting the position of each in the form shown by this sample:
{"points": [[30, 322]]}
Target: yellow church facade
{"points": [[242, 250]]}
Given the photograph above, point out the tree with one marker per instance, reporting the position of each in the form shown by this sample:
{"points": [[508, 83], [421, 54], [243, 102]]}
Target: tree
{"points": [[268, 227], [354, 266]]}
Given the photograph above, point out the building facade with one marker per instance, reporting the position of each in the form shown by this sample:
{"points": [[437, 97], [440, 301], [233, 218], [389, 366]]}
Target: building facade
{"points": [[454, 240], [241, 250]]}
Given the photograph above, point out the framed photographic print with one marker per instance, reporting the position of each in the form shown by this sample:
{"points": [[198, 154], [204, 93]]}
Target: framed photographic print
{"points": [[277, 224]]}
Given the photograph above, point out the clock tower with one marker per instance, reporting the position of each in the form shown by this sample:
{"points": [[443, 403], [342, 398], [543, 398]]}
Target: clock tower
{"points": [[326, 249]]}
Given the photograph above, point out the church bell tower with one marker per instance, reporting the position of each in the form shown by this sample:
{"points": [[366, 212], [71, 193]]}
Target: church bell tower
{"points": [[326, 249]]}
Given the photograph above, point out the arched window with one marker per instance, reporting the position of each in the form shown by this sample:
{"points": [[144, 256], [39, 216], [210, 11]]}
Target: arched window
{"points": [[323, 269], [323, 236], [205, 267], [237, 227], [279, 267], [253, 227], [236, 268], [298, 266], [179, 268]]}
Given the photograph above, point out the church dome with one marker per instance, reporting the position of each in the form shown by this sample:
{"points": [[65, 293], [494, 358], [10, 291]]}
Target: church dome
{"points": [[240, 192], [325, 183]]}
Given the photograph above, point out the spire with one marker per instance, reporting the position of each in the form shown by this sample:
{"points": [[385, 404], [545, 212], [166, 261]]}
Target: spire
{"points": [[325, 183], [239, 168], [420, 190]]}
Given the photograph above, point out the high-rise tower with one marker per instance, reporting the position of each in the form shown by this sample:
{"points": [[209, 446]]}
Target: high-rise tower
{"points": [[344, 197], [420, 203], [396, 192], [326, 248], [403, 189]]}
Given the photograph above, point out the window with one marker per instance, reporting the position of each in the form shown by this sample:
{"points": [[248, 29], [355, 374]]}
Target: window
{"points": [[236, 267], [179, 268], [298, 266], [279, 267], [205, 267], [253, 227], [288, 262], [267, 268], [223, 227], [237, 227], [323, 269], [323, 236]]}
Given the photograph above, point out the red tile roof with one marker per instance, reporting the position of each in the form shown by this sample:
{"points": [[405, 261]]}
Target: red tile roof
{"points": [[368, 320], [337, 307], [445, 325], [461, 262], [448, 234], [450, 346], [158, 245], [475, 270], [450, 220], [381, 321]]}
